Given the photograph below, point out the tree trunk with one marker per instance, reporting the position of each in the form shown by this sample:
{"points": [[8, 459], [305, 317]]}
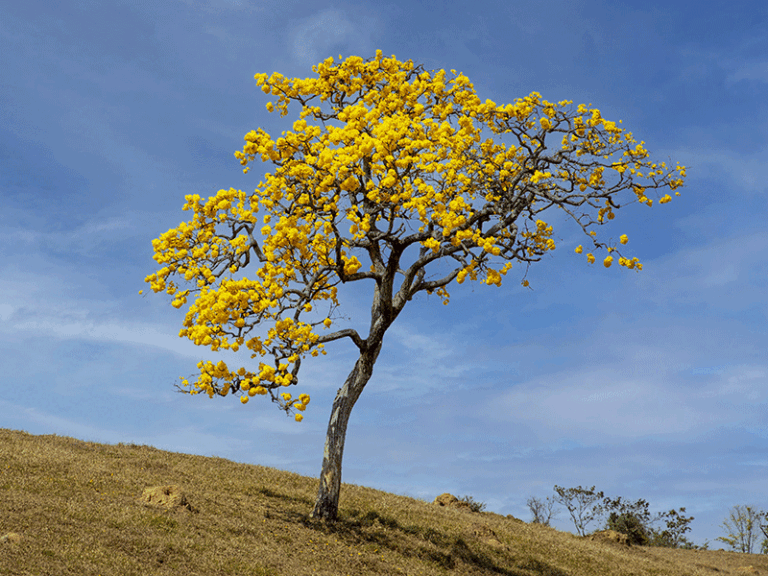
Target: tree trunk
{"points": [[327, 503]]}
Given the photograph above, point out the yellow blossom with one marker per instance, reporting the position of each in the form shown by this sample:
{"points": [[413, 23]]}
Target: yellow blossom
{"points": [[383, 168]]}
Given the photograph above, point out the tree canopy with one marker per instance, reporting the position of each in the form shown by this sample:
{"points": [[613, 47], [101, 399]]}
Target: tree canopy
{"points": [[391, 174]]}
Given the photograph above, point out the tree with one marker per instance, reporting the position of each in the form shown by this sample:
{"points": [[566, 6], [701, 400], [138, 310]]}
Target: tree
{"points": [[397, 178], [632, 519], [629, 524], [764, 530], [673, 535], [635, 520], [742, 528], [583, 504], [542, 511]]}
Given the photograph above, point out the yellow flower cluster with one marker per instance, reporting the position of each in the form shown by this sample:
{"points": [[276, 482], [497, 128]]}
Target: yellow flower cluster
{"points": [[542, 241], [382, 155], [623, 239]]}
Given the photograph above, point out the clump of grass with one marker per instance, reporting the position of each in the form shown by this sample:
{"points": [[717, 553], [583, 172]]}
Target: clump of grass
{"points": [[75, 508]]}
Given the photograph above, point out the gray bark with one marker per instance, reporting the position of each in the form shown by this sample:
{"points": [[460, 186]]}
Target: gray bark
{"points": [[383, 314], [327, 503]]}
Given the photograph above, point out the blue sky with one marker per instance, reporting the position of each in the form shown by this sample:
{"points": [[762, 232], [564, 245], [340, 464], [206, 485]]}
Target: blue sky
{"points": [[647, 385]]}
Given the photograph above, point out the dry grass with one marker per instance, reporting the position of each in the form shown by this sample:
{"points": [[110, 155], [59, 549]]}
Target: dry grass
{"points": [[73, 507]]}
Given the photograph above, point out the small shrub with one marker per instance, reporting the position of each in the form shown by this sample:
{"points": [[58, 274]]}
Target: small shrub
{"points": [[474, 506], [629, 524]]}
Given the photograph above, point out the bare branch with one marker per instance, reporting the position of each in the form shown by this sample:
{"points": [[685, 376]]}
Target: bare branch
{"points": [[346, 333]]}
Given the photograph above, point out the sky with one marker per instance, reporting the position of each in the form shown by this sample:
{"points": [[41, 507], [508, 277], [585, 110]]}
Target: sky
{"points": [[649, 385]]}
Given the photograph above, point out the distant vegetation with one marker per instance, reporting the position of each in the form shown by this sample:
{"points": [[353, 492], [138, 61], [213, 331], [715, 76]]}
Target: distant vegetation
{"points": [[630, 518], [69, 507], [744, 526]]}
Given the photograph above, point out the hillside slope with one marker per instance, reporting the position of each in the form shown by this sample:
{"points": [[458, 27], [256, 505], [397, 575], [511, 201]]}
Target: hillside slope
{"points": [[81, 508]]}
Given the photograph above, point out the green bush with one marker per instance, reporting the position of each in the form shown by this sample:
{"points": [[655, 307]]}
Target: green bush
{"points": [[474, 506], [629, 524]]}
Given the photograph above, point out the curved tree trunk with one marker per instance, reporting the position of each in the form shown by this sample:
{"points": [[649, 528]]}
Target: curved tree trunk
{"points": [[327, 503]]}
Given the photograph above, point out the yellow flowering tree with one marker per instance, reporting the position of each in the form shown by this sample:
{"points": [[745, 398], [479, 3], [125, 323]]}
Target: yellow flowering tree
{"points": [[398, 177]]}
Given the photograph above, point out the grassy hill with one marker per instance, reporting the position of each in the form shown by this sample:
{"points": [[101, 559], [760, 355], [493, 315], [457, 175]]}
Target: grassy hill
{"points": [[73, 507]]}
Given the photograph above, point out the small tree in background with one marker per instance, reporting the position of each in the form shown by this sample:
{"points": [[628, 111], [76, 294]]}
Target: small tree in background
{"points": [[632, 519], [742, 528], [635, 520], [673, 535], [400, 179], [629, 524], [583, 504], [543, 511], [764, 530]]}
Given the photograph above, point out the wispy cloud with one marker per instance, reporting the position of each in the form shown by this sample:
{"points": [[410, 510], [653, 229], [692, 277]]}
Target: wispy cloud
{"points": [[332, 31], [608, 407], [224, 6], [708, 274], [749, 169], [752, 71], [313, 38]]}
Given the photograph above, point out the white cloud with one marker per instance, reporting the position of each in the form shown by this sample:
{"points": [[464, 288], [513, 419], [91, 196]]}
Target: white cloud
{"points": [[757, 71], [749, 170], [54, 423], [332, 32], [223, 6], [709, 274], [87, 239], [632, 399], [313, 39], [6, 311]]}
